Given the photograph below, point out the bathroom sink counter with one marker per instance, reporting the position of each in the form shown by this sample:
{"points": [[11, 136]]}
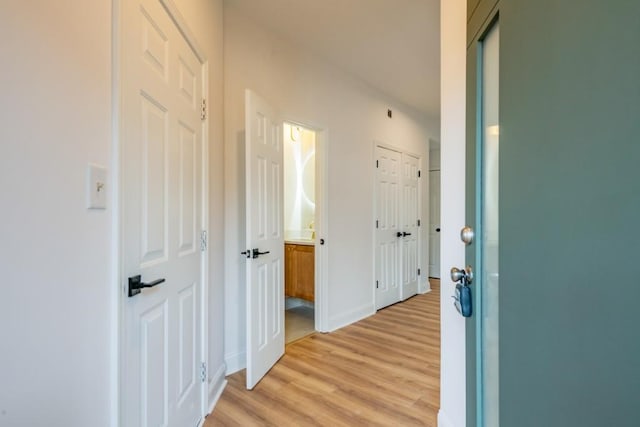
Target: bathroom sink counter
{"points": [[304, 242]]}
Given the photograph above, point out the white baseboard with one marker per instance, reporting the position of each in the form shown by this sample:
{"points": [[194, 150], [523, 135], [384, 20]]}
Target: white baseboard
{"points": [[351, 316], [444, 420], [216, 386], [424, 287], [235, 362]]}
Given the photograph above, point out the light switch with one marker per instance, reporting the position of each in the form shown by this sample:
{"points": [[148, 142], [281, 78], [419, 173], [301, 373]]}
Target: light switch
{"points": [[96, 187]]}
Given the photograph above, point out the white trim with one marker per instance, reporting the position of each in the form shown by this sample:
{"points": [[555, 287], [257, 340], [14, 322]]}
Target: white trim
{"points": [[424, 287], [374, 218], [351, 316], [444, 420], [235, 362], [322, 231], [453, 54], [216, 386]]}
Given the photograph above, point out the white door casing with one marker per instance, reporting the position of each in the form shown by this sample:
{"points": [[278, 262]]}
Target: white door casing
{"points": [[163, 214], [387, 242], [265, 224], [434, 223], [410, 211]]}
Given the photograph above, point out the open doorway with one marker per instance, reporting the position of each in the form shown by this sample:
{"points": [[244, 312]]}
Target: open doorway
{"points": [[299, 147]]}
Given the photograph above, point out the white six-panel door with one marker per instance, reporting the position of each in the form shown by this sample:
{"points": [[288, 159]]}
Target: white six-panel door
{"points": [[265, 223], [162, 218], [410, 208], [387, 249], [397, 238]]}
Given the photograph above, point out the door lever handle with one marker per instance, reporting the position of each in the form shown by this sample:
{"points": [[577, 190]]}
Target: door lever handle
{"points": [[255, 253], [136, 285], [399, 234], [405, 234]]}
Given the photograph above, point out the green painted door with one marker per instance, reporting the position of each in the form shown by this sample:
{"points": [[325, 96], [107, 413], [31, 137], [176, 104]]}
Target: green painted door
{"points": [[555, 335]]}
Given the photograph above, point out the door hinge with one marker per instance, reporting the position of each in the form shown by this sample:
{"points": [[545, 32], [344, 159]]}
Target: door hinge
{"points": [[377, 164], [418, 272], [418, 223], [377, 224], [377, 284], [203, 112], [418, 173], [203, 241], [203, 372]]}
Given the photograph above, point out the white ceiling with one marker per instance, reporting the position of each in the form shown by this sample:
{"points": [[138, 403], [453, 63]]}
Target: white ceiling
{"points": [[393, 45]]}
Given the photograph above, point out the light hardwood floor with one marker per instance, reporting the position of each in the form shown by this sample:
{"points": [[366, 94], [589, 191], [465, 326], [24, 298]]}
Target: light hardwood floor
{"points": [[381, 371]]}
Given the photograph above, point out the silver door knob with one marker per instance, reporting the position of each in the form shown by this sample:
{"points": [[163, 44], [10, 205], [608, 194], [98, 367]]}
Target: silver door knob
{"points": [[458, 275], [467, 234]]}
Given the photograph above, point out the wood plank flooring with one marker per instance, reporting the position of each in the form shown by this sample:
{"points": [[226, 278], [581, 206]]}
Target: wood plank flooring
{"points": [[381, 371]]}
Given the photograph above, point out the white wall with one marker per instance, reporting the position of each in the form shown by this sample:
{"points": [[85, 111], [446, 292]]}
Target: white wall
{"points": [[299, 183], [434, 159], [55, 312], [305, 88], [56, 303], [452, 150]]}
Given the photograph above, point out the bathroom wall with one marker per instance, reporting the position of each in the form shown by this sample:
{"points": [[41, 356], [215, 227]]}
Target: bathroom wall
{"points": [[299, 182]]}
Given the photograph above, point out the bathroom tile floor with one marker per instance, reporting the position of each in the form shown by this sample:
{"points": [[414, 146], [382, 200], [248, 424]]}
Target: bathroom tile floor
{"points": [[298, 323]]}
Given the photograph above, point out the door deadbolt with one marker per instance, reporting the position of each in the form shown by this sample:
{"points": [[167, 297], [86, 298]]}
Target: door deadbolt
{"points": [[467, 235]]}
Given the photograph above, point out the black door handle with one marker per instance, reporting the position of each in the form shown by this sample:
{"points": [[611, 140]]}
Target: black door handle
{"points": [[438, 230], [399, 234], [255, 253], [322, 241], [405, 234], [136, 285]]}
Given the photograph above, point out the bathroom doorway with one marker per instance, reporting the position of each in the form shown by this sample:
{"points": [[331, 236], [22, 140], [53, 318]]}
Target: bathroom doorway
{"points": [[300, 219]]}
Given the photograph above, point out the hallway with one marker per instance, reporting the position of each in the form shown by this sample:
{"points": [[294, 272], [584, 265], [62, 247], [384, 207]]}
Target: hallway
{"points": [[381, 371]]}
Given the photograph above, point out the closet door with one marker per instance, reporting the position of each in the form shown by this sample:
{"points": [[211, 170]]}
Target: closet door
{"points": [[410, 207], [397, 237], [387, 233]]}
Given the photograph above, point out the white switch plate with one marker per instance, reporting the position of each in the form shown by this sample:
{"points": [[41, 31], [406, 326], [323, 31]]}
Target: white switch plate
{"points": [[96, 187]]}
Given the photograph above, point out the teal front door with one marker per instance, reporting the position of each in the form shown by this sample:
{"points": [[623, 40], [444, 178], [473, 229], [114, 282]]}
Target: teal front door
{"points": [[553, 195]]}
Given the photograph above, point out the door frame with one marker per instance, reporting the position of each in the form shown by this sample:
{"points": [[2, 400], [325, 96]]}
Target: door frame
{"points": [[321, 222], [429, 231], [118, 289], [424, 218], [453, 55]]}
